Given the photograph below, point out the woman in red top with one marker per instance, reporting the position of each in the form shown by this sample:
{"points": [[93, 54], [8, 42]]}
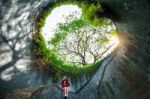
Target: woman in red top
{"points": [[65, 84]]}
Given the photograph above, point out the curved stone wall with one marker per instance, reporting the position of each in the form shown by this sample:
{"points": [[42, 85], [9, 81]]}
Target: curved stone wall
{"points": [[127, 76], [130, 69]]}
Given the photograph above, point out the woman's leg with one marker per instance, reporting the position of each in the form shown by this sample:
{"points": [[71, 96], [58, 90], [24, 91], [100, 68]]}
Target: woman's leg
{"points": [[65, 91]]}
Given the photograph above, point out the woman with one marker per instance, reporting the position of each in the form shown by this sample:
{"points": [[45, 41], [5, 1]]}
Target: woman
{"points": [[65, 84]]}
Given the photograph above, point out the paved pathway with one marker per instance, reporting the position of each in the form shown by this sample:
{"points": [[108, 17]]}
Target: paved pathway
{"points": [[89, 90]]}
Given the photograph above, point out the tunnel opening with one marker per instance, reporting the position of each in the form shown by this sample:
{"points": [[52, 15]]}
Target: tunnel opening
{"points": [[127, 75], [50, 45]]}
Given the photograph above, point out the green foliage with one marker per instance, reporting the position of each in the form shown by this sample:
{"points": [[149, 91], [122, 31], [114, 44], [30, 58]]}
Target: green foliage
{"points": [[114, 33], [90, 13], [64, 29], [102, 40], [57, 38], [49, 57], [75, 24], [59, 66]]}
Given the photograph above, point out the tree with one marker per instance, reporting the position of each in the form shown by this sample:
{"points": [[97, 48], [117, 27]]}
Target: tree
{"points": [[84, 45]]}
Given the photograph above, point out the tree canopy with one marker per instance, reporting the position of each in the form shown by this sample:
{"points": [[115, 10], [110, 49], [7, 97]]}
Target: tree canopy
{"points": [[80, 43], [78, 46]]}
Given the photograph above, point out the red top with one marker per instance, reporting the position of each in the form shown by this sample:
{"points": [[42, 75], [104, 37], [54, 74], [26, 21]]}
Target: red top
{"points": [[65, 83]]}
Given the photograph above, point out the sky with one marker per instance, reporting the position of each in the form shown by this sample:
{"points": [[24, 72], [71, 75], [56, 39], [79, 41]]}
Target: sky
{"points": [[58, 15]]}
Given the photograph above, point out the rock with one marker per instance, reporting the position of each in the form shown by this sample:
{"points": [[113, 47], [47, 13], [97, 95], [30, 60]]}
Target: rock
{"points": [[25, 93]]}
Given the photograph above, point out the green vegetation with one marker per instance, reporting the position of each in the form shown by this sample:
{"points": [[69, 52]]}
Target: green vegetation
{"points": [[64, 29], [45, 58], [76, 41], [48, 57], [90, 11]]}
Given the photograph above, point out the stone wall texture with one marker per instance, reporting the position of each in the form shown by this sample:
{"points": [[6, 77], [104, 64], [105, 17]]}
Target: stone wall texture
{"points": [[124, 75]]}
